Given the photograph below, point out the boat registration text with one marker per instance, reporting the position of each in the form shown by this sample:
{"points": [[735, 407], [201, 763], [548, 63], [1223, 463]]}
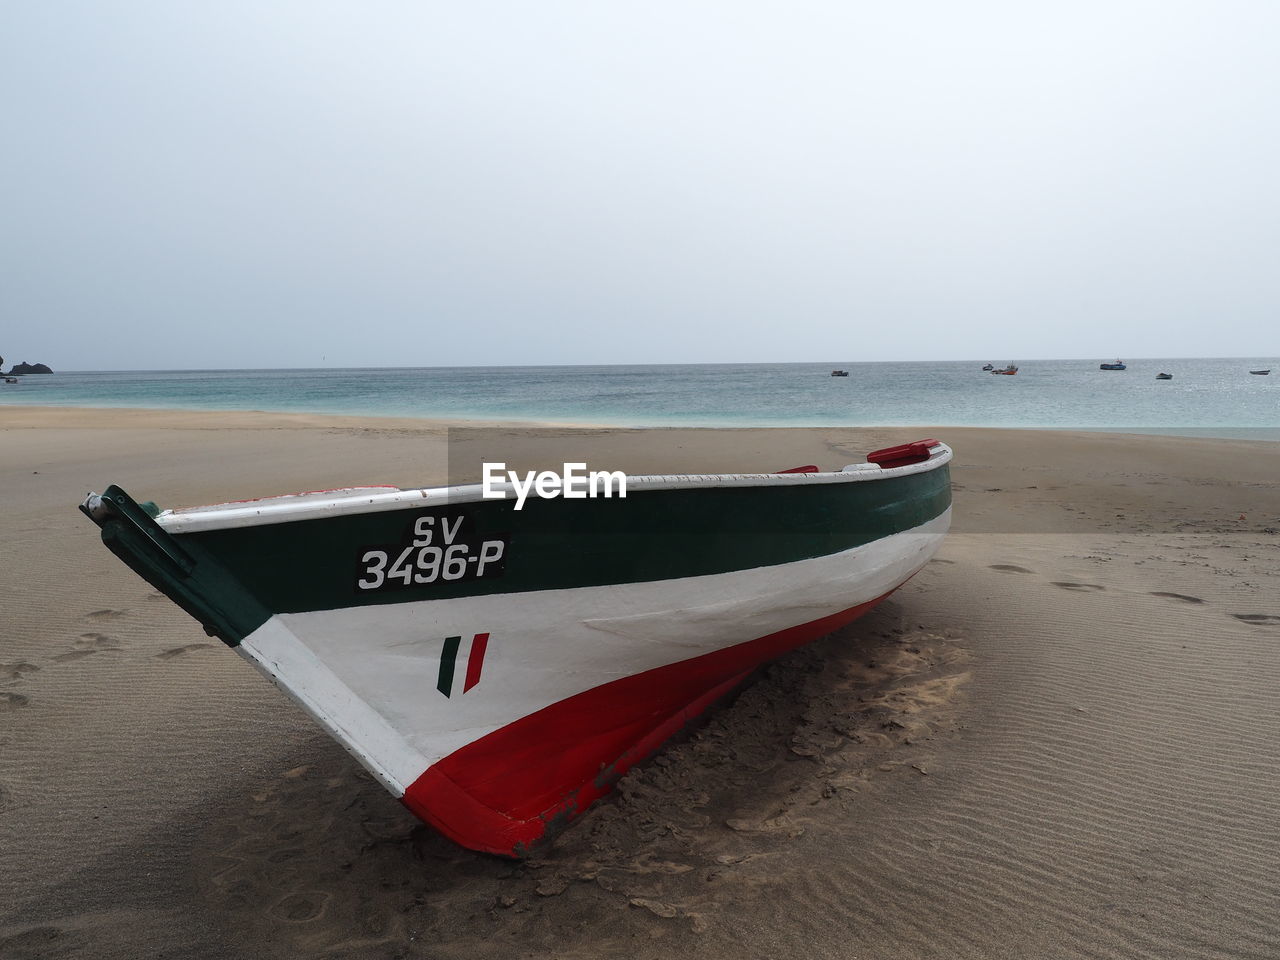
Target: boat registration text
{"points": [[436, 548]]}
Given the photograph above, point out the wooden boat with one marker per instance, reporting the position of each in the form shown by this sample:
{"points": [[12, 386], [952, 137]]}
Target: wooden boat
{"points": [[1118, 365], [839, 373], [1164, 376], [498, 670], [1260, 373]]}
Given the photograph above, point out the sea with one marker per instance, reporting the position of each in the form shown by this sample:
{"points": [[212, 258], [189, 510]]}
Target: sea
{"points": [[1207, 397]]}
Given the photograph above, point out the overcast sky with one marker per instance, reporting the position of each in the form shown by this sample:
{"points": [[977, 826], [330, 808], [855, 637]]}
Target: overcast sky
{"points": [[307, 183]]}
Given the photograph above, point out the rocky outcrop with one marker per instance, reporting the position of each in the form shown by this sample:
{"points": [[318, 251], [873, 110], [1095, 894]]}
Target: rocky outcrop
{"points": [[21, 369]]}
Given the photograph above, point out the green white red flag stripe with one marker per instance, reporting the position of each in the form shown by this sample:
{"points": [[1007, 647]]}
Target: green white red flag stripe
{"points": [[448, 663]]}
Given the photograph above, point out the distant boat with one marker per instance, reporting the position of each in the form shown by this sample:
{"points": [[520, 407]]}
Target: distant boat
{"points": [[839, 373], [10, 379], [1260, 373], [1118, 365], [989, 366], [1008, 371], [1164, 376]]}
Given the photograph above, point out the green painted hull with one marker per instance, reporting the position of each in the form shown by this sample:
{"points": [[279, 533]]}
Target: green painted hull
{"points": [[247, 574]]}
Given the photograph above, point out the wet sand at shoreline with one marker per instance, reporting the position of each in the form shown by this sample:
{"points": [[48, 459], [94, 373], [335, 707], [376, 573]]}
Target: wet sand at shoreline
{"points": [[1061, 739]]}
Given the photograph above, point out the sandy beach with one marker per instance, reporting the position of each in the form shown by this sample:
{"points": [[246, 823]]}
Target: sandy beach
{"points": [[1061, 739]]}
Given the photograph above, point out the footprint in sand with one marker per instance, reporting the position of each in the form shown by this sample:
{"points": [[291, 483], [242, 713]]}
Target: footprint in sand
{"points": [[1261, 619], [1176, 596], [179, 651], [657, 907], [285, 855], [104, 615], [300, 907], [29, 943], [72, 655], [940, 560], [1079, 587], [86, 645], [12, 701], [1009, 568], [14, 671]]}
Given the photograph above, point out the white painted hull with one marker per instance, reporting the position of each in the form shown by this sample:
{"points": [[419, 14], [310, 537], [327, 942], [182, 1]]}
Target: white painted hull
{"points": [[369, 674]]}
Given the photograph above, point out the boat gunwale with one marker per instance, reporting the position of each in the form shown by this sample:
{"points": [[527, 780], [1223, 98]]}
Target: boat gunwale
{"points": [[289, 508]]}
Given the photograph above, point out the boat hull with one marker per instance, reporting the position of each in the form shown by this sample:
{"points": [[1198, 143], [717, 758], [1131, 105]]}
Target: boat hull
{"points": [[548, 697], [499, 704]]}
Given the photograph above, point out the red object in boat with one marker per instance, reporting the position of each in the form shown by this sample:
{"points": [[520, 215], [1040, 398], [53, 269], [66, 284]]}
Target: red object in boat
{"points": [[900, 456], [807, 468]]}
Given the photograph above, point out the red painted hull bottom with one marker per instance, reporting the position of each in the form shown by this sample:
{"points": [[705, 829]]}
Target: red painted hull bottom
{"points": [[518, 785]]}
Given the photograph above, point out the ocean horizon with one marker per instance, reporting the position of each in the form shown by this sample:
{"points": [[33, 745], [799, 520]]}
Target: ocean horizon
{"points": [[1206, 397]]}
